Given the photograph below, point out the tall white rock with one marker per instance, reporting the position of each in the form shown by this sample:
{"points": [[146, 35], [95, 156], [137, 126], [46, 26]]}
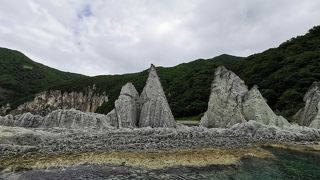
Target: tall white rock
{"points": [[255, 108], [225, 102], [309, 115], [155, 110], [127, 107], [231, 103]]}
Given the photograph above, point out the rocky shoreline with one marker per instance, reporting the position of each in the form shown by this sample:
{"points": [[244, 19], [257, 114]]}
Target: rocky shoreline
{"points": [[142, 132]]}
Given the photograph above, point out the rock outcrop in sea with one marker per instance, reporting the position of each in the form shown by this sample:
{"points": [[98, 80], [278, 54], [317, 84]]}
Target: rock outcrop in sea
{"points": [[48, 101], [67, 119], [151, 109], [309, 115], [230, 103], [155, 109]]}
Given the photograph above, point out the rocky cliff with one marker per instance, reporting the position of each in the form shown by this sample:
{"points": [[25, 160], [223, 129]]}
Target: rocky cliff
{"points": [[68, 119], [230, 103], [151, 109], [309, 115], [49, 101]]}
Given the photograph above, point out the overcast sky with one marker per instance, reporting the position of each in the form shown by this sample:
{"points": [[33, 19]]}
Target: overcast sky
{"points": [[95, 37]]}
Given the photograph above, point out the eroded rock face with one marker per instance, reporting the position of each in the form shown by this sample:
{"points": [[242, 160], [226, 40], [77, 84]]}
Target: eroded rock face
{"points": [[127, 107], [225, 102], [69, 119], [256, 108], [155, 110], [74, 119], [48, 101], [309, 115], [231, 103]]}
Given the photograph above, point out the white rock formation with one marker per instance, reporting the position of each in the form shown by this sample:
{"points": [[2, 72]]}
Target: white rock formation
{"points": [[231, 103], [74, 119], [310, 113], [112, 118], [225, 102], [127, 107], [69, 119], [155, 110], [256, 108], [48, 101]]}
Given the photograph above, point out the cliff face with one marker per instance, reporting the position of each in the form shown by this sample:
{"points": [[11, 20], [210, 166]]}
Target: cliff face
{"points": [[231, 102], [155, 109], [310, 114], [68, 119], [48, 101]]}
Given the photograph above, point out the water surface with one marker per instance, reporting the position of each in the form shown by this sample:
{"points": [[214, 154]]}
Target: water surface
{"points": [[289, 165]]}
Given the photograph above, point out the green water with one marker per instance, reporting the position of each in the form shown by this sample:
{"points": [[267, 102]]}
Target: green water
{"points": [[289, 165]]}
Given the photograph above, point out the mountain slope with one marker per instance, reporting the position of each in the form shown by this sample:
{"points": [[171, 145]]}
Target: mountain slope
{"points": [[20, 77]]}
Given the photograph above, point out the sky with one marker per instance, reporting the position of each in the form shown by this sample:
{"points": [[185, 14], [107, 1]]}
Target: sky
{"points": [[95, 37]]}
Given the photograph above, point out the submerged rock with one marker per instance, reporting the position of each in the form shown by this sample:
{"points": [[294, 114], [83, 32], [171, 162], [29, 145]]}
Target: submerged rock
{"points": [[230, 103], [225, 102], [155, 110], [256, 108], [48, 101], [310, 114]]}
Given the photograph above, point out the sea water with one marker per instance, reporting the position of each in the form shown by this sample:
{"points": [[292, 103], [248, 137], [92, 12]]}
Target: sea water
{"points": [[288, 165]]}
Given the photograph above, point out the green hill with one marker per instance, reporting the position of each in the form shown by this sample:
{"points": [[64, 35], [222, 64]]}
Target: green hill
{"points": [[20, 77], [283, 75]]}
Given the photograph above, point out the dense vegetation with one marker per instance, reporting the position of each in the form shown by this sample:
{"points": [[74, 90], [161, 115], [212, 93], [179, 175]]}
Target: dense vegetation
{"points": [[187, 85], [283, 75], [20, 77]]}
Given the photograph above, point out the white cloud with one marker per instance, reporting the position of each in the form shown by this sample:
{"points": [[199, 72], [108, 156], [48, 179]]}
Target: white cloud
{"points": [[113, 37]]}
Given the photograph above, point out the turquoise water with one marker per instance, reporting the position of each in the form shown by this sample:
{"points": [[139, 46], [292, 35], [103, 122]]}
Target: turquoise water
{"points": [[289, 165]]}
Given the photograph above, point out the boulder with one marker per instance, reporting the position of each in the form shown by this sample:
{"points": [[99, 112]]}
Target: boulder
{"points": [[155, 110], [255, 108], [225, 102]]}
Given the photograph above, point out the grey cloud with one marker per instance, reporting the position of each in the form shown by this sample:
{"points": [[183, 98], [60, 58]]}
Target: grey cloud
{"points": [[123, 36]]}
